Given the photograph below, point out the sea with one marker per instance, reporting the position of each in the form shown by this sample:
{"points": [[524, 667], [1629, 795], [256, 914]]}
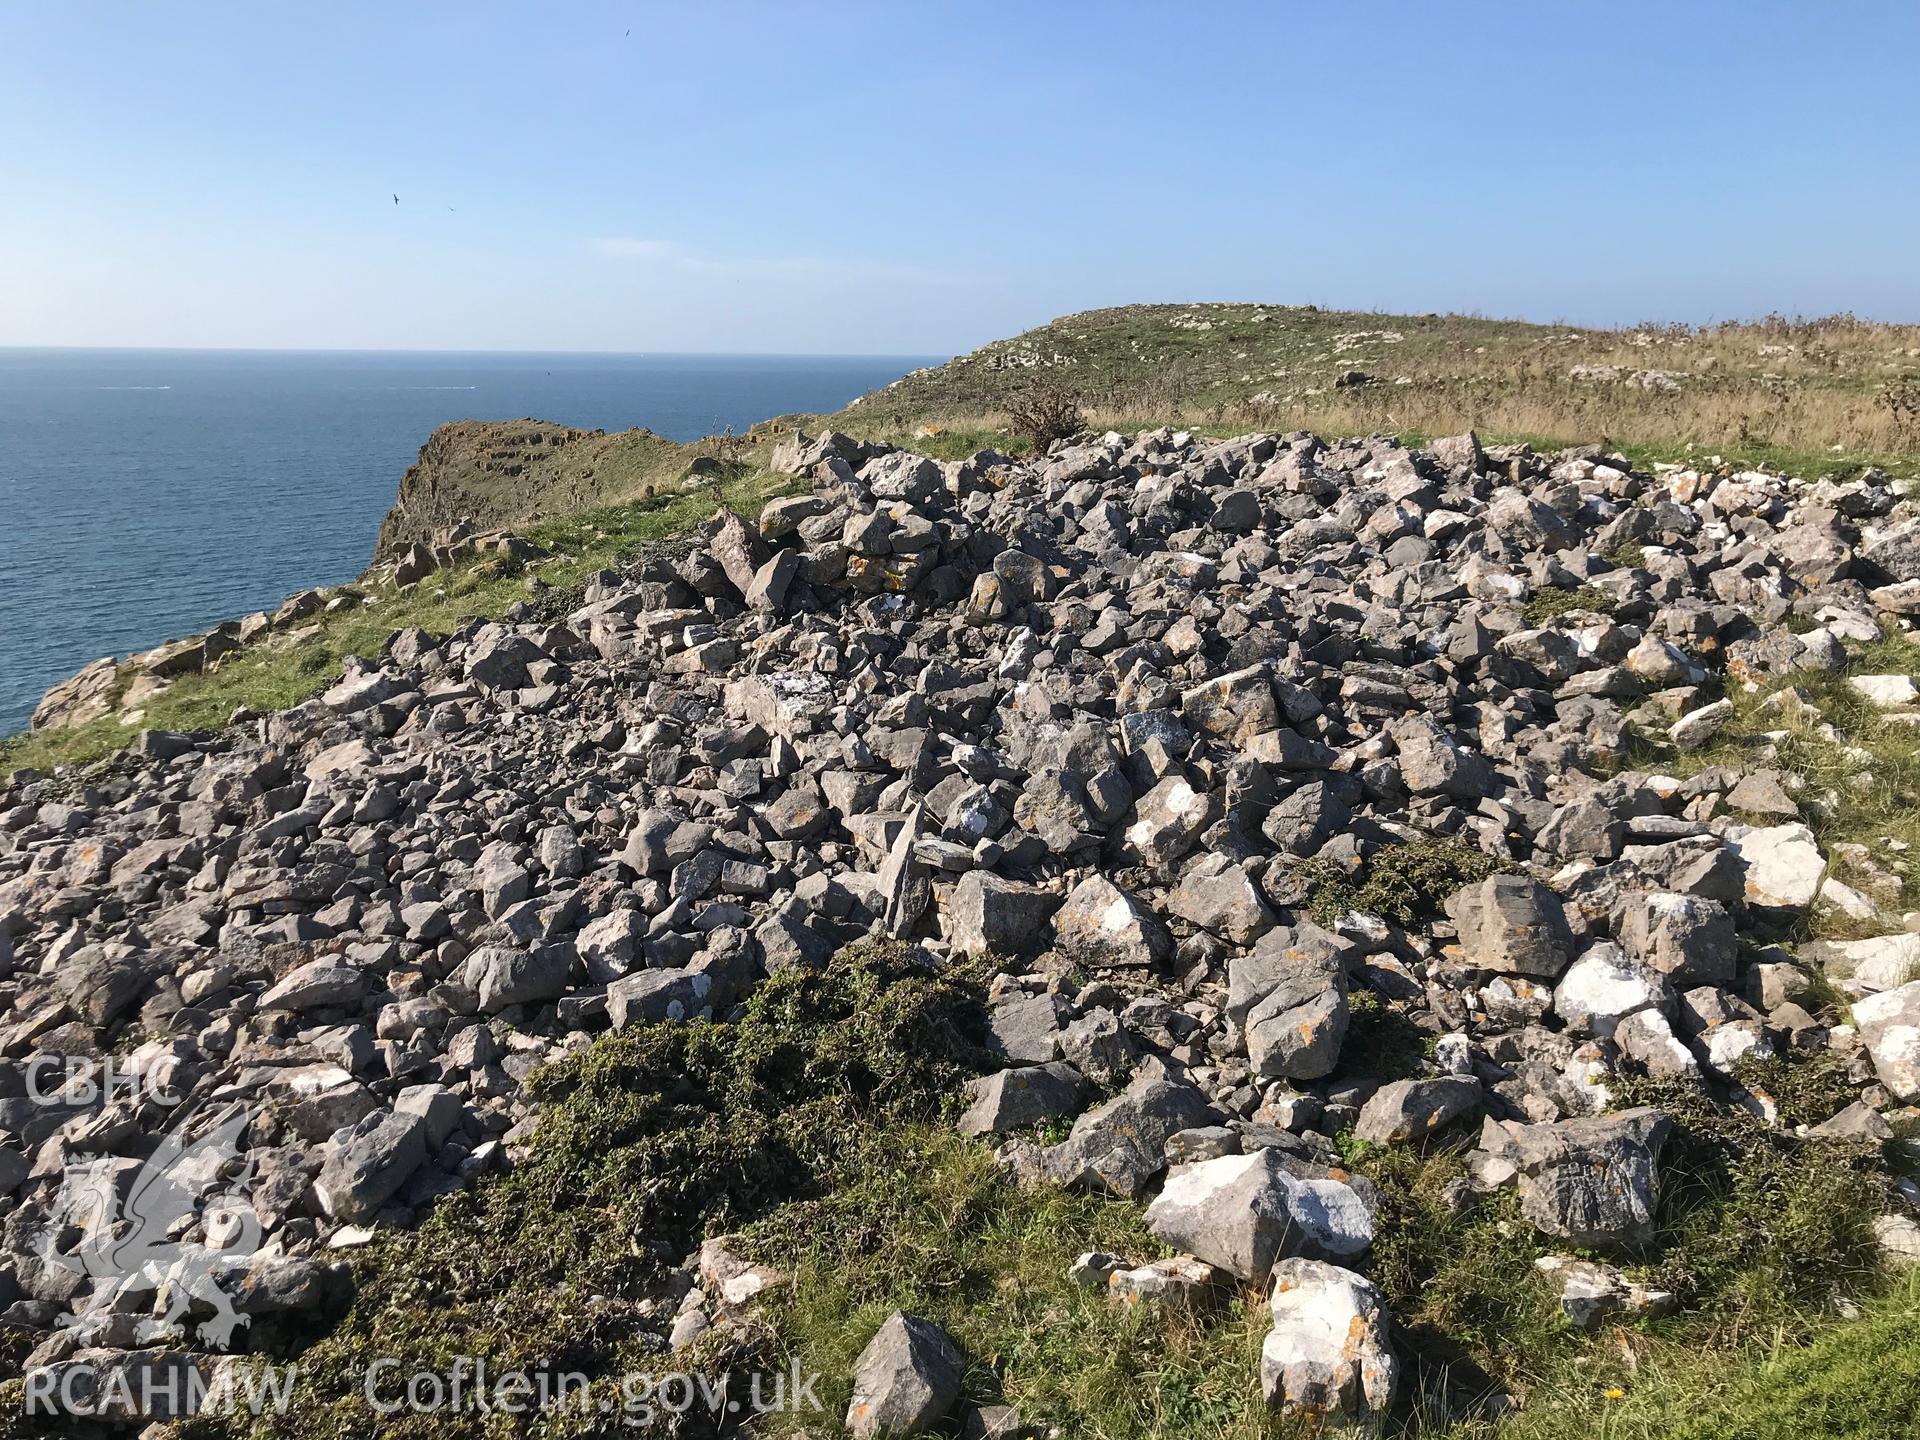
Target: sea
{"points": [[148, 494]]}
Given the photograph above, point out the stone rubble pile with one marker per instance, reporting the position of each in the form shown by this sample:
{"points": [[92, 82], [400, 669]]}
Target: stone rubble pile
{"points": [[1118, 716]]}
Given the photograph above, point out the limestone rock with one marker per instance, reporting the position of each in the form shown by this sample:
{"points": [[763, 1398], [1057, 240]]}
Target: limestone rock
{"points": [[906, 1379], [1328, 1353]]}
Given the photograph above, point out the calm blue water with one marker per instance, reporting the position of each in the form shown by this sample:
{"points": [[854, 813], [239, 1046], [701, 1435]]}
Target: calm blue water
{"points": [[146, 494]]}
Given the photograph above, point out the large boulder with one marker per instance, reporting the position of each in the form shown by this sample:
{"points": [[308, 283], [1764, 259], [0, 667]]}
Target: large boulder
{"points": [[1020, 1098], [1168, 821], [87, 695], [1592, 1180], [988, 915], [654, 995], [503, 975], [1288, 995], [1244, 1212], [1103, 926], [740, 551], [1895, 549], [318, 984], [1218, 896], [364, 1166], [1432, 762], [1684, 937], [1514, 925], [1234, 707]]}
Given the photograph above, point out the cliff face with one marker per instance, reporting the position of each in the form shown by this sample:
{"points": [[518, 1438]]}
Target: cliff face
{"points": [[498, 474]]}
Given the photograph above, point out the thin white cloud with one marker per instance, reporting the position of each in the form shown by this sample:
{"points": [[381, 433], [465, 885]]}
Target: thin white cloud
{"points": [[665, 252], [621, 247]]}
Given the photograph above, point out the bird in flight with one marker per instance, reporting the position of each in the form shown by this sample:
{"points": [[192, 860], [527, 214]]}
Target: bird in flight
{"points": [[396, 199]]}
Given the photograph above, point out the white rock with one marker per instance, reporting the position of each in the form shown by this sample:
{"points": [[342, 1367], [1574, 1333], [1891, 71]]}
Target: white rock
{"points": [[1603, 986], [1881, 962], [1327, 1354], [1889, 1025], [1178, 1282], [1847, 900], [1783, 863], [1243, 1212], [1888, 692], [1899, 1238], [1736, 1040]]}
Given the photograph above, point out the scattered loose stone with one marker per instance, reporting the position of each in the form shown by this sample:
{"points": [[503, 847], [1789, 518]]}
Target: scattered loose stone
{"points": [[1202, 740]]}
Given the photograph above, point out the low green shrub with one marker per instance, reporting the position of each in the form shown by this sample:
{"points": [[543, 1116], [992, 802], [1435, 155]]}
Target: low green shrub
{"points": [[1401, 883], [1552, 601], [648, 1140]]}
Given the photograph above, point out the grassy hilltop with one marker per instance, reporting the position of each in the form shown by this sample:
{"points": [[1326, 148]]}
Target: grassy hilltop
{"points": [[1811, 394], [1807, 395]]}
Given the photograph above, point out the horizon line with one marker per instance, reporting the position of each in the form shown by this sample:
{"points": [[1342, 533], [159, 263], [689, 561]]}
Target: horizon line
{"points": [[476, 350]]}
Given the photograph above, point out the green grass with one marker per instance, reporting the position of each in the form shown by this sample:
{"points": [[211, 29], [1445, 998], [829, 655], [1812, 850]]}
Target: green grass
{"points": [[272, 675], [1758, 1231], [1551, 602], [932, 1225], [1850, 1380], [1808, 396]]}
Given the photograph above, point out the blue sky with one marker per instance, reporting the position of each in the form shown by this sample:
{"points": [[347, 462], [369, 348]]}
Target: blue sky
{"points": [[916, 177]]}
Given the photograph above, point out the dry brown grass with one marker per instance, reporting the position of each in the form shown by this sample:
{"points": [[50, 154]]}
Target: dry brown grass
{"points": [[1820, 392]]}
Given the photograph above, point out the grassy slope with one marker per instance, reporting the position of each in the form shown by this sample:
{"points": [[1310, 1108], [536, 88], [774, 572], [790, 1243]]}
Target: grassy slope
{"points": [[520, 472], [1780, 391], [819, 1123], [273, 674]]}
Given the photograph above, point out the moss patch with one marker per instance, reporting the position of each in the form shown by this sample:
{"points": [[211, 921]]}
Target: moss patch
{"points": [[1551, 602], [1401, 882], [648, 1139]]}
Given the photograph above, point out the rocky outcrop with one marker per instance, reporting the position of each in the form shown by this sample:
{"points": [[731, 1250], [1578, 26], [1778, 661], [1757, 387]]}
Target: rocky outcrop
{"points": [[84, 696], [501, 474]]}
